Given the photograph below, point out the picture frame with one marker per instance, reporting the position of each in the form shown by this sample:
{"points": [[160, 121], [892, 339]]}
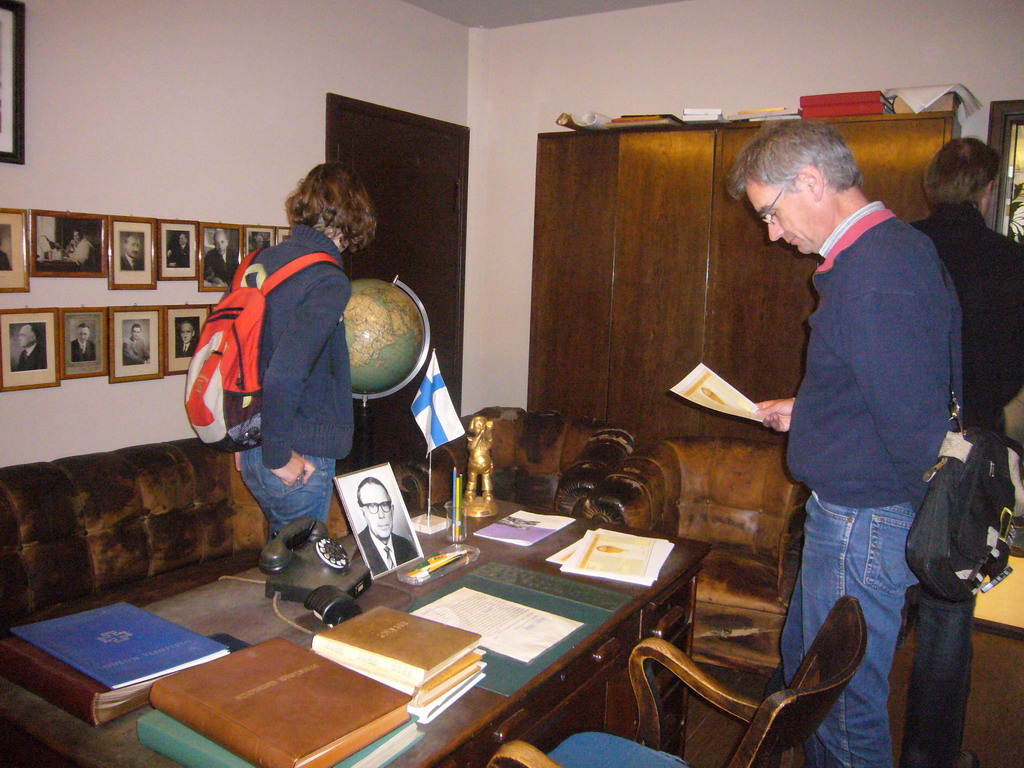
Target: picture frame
{"points": [[130, 253], [220, 254], [363, 494], [84, 341], [135, 351], [1006, 136], [35, 333], [13, 250], [182, 324], [283, 233], [66, 244], [257, 237], [12, 82], [177, 259]]}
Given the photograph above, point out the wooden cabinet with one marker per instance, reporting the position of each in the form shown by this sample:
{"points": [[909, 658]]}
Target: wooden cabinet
{"points": [[644, 266]]}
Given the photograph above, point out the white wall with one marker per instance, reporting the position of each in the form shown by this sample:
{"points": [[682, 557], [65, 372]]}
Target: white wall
{"points": [[196, 110], [733, 54]]}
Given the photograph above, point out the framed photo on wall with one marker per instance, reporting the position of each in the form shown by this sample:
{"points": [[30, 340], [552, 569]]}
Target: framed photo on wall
{"points": [[12, 82], [13, 250], [283, 233], [221, 246], [377, 516], [83, 346], [63, 244], [257, 238], [28, 348], [181, 328], [177, 245], [131, 253], [136, 340]]}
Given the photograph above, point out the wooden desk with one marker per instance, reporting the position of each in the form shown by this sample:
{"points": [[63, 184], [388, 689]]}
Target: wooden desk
{"points": [[586, 689]]}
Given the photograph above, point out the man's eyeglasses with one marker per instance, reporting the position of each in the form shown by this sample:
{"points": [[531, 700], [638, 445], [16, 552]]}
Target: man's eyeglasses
{"points": [[377, 507], [768, 217]]}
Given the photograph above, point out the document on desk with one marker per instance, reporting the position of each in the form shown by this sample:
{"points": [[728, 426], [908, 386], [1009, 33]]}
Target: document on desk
{"points": [[508, 628], [705, 387], [619, 556]]}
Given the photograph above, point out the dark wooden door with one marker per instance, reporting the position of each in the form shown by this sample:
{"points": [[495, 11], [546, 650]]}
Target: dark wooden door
{"points": [[415, 169]]}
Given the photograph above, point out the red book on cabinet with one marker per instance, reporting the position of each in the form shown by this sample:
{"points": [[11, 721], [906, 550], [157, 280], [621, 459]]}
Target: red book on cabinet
{"points": [[841, 110], [850, 97]]}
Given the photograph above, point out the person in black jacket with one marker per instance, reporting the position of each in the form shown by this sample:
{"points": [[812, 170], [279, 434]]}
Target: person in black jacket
{"points": [[988, 272]]}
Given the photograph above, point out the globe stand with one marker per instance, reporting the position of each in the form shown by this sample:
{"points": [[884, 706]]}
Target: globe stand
{"points": [[363, 447]]}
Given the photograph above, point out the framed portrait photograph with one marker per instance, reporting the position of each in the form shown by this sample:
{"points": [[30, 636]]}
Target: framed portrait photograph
{"points": [[13, 250], [283, 233], [182, 324], [12, 82], [259, 237], [136, 340], [131, 263], [177, 243], [221, 253], [63, 244], [83, 345], [28, 348], [377, 516]]}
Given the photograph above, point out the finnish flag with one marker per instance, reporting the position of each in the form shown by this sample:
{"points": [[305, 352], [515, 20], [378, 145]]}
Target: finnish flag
{"points": [[433, 409]]}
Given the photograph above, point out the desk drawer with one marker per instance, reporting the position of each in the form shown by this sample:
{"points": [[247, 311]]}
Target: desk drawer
{"points": [[670, 617]]}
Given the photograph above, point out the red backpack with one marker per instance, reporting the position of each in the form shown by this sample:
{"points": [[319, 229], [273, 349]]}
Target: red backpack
{"points": [[223, 395]]}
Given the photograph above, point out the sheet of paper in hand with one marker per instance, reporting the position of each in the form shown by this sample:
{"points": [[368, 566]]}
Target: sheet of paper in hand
{"points": [[705, 387]]}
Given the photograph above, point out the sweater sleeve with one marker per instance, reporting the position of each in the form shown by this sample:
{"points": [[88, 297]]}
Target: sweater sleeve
{"points": [[303, 340]]}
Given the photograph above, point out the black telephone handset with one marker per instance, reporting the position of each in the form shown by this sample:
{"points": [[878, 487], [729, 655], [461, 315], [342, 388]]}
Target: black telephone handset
{"points": [[304, 557]]}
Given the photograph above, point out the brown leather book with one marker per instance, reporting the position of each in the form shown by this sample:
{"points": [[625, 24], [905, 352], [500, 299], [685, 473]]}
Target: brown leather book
{"points": [[394, 645], [64, 686], [281, 706], [448, 678]]}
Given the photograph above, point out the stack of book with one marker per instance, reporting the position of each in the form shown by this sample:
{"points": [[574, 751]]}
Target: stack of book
{"points": [[844, 104], [100, 664], [274, 705], [767, 113], [433, 663], [702, 115]]}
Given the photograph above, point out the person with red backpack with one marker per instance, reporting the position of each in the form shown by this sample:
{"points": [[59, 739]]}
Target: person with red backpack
{"points": [[306, 419]]}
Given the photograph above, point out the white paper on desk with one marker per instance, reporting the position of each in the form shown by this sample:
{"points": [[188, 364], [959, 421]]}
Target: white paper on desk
{"points": [[619, 556], [508, 628], [705, 387], [524, 528], [562, 556], [923, 96]]}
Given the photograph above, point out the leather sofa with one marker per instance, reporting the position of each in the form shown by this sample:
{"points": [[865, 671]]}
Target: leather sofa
{"points": [[736, 495], [543, 460], [135, 524]]}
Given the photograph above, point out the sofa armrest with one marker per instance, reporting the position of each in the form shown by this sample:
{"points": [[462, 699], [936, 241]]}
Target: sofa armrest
{"points": [[604, 451], [638, 494]]}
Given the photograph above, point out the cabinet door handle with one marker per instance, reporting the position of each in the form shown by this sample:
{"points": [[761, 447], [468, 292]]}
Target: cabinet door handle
{"points": [[668, 622], [608, 650], [510, 726]]}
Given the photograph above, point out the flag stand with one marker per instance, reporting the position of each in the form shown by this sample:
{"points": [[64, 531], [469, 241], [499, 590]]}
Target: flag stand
{"points": [[438, 429], [427, 523]]}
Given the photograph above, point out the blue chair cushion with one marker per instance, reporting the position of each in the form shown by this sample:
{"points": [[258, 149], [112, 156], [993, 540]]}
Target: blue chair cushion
{"points": [[602, 750]]}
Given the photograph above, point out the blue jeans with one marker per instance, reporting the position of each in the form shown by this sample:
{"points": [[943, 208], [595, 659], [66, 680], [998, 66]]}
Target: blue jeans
{"points": [[940, 683], [859, 552], [281, 503]]}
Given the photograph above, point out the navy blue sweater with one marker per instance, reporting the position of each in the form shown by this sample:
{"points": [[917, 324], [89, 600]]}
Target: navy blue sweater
{"points": [[872, 408], [304, 364]]}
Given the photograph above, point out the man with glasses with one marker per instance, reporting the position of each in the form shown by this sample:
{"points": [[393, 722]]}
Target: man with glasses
{"points": [[870, 412], [382, 548]]}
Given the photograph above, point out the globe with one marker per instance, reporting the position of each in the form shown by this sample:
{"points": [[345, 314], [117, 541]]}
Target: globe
{"points": [[388, 336]]}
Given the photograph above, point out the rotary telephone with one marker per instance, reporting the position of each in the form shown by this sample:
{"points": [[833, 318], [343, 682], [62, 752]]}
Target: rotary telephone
{"points": [[304, 565]]}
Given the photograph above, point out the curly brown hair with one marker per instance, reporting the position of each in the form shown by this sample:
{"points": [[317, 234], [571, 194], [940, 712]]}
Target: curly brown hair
{"points": [[332, 200]]}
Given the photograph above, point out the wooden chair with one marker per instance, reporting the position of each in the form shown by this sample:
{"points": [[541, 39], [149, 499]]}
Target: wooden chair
{"points": [[781, 722]]}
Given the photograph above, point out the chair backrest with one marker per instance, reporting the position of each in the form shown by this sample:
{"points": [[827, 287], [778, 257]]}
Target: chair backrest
{"points": [[788, 717]]}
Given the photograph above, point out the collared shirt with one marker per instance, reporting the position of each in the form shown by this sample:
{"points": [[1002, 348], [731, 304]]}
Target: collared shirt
{"points": [[852, 219]]}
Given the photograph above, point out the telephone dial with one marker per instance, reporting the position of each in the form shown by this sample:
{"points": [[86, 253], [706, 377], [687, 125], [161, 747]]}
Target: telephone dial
{"points": [[305, 565]]}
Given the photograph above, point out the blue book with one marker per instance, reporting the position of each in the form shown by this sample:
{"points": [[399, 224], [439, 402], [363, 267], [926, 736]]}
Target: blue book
{"points": [[163, 734], [119, 644]]}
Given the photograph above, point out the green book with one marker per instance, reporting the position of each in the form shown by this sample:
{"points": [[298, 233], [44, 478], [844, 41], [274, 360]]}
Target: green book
{"points": [[163, 734]]}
